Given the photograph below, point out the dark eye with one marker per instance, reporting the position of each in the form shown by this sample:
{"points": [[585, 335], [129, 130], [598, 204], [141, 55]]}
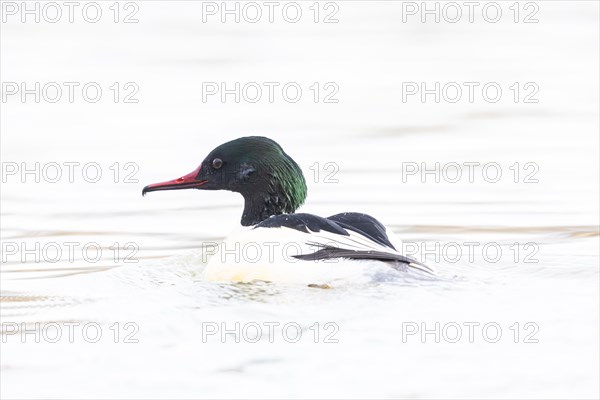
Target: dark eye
{"points": [[217, 163]]}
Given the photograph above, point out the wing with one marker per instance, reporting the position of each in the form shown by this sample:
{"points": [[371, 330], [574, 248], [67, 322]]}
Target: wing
{"points": [[365, 225], [348, 235], [302, 222]]}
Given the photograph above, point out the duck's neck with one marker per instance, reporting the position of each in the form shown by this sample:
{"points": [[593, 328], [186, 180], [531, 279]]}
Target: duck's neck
{"points": [[260, 206]]}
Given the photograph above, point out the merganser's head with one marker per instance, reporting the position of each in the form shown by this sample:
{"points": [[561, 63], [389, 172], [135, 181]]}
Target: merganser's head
{"points": [[258, 168]]}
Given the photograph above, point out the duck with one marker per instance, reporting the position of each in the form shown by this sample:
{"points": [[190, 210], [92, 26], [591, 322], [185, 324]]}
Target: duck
{"points": [[274, 243]]}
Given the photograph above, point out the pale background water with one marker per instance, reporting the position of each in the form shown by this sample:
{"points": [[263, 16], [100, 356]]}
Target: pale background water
{"points": [[368, 134]]}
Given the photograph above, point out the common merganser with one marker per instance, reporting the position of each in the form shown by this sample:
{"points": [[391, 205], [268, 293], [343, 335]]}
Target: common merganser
{"points": [[276, 244]]}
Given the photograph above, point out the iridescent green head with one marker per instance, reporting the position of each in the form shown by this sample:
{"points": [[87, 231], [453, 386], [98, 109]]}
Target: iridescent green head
{"points": [[258, 168]]}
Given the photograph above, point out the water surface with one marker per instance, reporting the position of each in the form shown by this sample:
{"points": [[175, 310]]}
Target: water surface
{"points": [[543, 298]]}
